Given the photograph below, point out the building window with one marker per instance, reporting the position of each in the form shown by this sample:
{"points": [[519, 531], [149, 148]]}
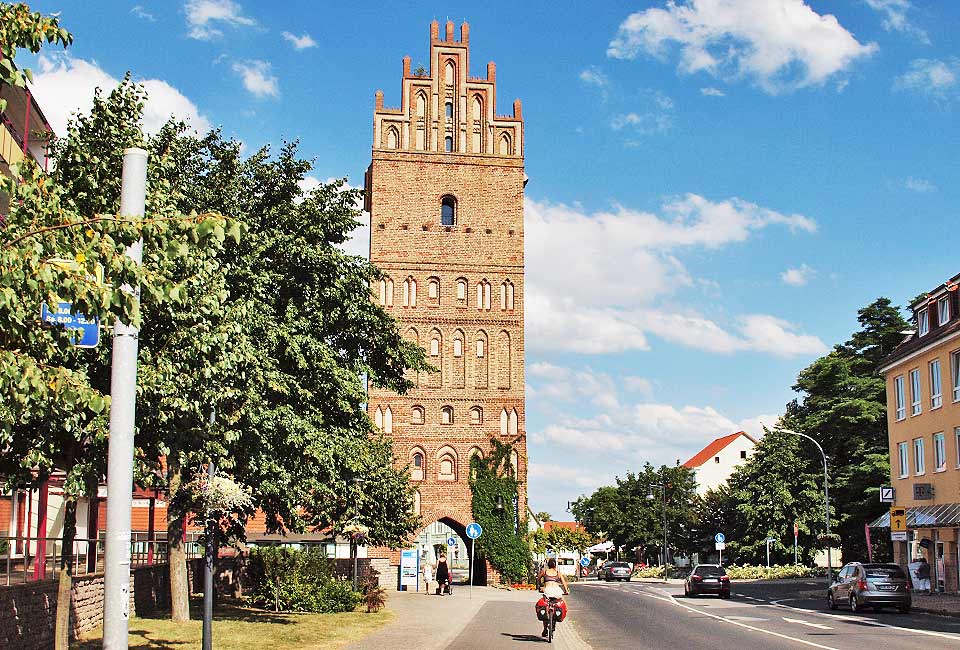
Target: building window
{"points": [[923, 322], [386, 292], [483, 296], [918, 465], [955, 373], [462, 292], [446, 415], [904, 449], [448, 144], [448, 111], [416, 415], [433, 291], [504, 422], [900, 395], [476, 415], [448, 210], [743, 453], [378, 418], [458, 347], [448, 467], [939, 452], [943, 310], [480, 350], [514, 422], [435, 347], [956, 439], [716, 459], [915, 392], [388, 420], [409, 292], [418, 464], [936, 398], [506, 296]]}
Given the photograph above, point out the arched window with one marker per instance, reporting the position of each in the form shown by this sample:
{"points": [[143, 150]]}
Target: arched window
{"points": [[448, 144], [450, 73], [481, 348], [481, 371], [378, 418], [448, 110], [514, 463], [514, 422], [416, 503], [421, 104], [448, 211], [502, 356], [474, 452], [435, 347], [418, 464], [447, 464], [477, 108], [462, 292], [433, 292], [435, 377], [505, 145], [504, 422], [476, 415], [506, 296], [388, 421], [416, 415], [446, 415], [393, 138], [458, 347], [409, 292], [483, 296], [386, 291]]}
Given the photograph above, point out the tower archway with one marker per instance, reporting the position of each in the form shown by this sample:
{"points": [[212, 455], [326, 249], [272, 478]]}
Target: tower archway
{"points": [[432, 540]]}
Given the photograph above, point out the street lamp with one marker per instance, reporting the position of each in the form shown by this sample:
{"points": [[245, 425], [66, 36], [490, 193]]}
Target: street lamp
{"points": [[826, 497], [650, 497]]}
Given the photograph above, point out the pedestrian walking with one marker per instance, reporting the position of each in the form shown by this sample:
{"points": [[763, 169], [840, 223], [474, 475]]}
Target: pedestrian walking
{"points": [[443, 575], [923, 575], [427, 575]]}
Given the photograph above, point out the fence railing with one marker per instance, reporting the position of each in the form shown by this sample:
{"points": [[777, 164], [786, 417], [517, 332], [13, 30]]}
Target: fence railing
{"points": [[25, 559]]}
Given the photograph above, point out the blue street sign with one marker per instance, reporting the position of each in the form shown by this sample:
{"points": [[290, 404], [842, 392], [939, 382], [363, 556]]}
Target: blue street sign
{"points": [[719, 538], [89, 330], [474, 530], [451, 541], [584, 561]]}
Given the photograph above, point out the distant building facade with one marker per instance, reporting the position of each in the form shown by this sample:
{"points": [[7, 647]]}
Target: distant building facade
{"points": [[923, 415], [445, 193], [714, 464]]}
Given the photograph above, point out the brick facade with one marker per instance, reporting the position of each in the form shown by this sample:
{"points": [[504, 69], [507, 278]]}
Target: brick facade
{"points": [[455, 285]]}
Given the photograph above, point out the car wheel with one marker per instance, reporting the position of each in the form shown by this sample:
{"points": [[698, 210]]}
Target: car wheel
{"points": [[831, 603], [854, 604]]}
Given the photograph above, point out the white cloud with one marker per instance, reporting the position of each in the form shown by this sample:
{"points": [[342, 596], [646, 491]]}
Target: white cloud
{"points": [[566, 475], [580, 385], [299, 42], [257, 78], [895, 18], [638, 385], [656, 115], [65, 85], [594, 76], [712, 92], [755, 425], [921, 185], [938, 79], [143, 14], [797, 277], [781, 44], [205, 16], [765, 333]]}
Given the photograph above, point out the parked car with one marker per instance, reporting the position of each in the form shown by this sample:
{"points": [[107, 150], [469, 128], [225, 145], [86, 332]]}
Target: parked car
{"points": [[616, 571], [707, 579], [870, 585]]}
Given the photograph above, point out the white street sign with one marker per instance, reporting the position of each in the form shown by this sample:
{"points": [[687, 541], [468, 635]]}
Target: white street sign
{"points": [[898, 536], [887, 494], [720, 546]]}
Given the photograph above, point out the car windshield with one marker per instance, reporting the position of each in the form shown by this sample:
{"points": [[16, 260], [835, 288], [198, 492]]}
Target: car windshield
{"points": [[710, 571], [884, 571]]}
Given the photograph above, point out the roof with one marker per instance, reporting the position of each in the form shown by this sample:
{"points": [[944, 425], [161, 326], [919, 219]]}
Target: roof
{"points": [[913, 342], [569, 525], [945, 514], [714, 448]]}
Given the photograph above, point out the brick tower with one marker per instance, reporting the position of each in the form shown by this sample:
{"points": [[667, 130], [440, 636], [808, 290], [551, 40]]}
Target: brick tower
{"points": [[445, 193]]}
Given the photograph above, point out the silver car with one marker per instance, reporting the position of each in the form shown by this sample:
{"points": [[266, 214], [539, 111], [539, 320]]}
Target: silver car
{"points": [[616, 571], [870, 585]]}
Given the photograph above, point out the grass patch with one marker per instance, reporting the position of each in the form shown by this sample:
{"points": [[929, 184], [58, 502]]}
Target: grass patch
{"points": [[243, 628]]}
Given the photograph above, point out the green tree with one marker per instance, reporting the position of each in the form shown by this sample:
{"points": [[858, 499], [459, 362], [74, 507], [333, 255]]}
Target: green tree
{"points": [[715, 512], [776, 487], [560, 539], [843, 406], [543, 517]]}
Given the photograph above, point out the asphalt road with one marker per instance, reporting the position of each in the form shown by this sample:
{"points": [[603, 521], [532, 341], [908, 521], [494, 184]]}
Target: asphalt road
{"points": [[647, 616]]}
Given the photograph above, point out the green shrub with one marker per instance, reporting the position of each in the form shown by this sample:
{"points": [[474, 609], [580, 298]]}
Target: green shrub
{"points": [[297, 580], [775, 572]]}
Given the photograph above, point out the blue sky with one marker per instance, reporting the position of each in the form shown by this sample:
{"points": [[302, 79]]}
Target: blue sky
{"points": [[743, 174]]}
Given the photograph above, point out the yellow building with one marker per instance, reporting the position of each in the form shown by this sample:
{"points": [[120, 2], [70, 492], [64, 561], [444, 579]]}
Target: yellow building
{"points": [[923, 412]]}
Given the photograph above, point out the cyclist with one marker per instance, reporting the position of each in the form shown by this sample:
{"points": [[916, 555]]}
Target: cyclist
{"points": [[553, 585]]}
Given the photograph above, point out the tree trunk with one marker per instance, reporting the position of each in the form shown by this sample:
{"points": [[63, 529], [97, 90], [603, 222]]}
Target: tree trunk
{"points": [[65, 587], [176, 553]]}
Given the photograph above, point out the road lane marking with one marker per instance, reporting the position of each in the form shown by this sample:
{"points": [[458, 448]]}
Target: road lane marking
{"points": [[807, 623], [864, 621], [747, 618], [741, 624]]}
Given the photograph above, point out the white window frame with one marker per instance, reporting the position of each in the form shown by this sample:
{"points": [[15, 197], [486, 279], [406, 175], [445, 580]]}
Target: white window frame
{"points": [[955, 374], [943, 310], [919, 462], [433, 290], [900, 395], [480, 349], [903, 449], [939, 452], [936, 385], [916, 393], [923, 322]]}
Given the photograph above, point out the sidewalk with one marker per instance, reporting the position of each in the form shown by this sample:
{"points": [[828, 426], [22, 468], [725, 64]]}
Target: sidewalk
{"points": [[493, 619]]}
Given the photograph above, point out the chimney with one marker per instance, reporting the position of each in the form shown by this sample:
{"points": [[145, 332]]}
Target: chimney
{"points": [[434, 31], [491, 71], [449, 38], [517, 109], [378, 100], [406, 67], [465, 32]]}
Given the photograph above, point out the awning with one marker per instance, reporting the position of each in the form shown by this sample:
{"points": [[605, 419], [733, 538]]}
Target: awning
{"points": [[938, 516], [603, 547]]}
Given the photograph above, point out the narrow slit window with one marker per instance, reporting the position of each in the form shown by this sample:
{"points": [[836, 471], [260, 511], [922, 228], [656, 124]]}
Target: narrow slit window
{"points": [[448, 211]]}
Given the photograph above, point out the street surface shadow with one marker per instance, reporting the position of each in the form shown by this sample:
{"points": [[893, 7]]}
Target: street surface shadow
{"points": [[529, 638]]}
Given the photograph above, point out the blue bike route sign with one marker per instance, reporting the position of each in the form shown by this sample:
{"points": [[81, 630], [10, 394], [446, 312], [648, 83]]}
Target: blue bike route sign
{"points": [[88, 330], [474, 530], [584, 561], [719, 538]]}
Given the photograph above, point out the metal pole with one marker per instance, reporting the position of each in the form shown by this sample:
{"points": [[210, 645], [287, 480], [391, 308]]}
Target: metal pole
{"points": [[826, 497], [666, 575], [473, 545], [123, 394], [208, 567], [768, 554]]}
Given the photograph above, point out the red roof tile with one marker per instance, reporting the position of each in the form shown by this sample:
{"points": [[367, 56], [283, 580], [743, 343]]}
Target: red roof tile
{"points": [[570, 525], [714, 448]]}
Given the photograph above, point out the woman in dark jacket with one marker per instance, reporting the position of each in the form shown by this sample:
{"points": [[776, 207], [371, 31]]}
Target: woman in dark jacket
{"points": [[443, 574]]}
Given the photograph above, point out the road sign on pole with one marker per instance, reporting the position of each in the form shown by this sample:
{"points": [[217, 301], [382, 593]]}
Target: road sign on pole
{"points": [[474, 531], [451, 541], [898, 520], [719, 538], [88, 329], [888, 494]]}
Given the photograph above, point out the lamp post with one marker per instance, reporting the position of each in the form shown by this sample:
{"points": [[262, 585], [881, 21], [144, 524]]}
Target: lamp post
{"points": [[650, 497], [357, 481], [826, 497]]}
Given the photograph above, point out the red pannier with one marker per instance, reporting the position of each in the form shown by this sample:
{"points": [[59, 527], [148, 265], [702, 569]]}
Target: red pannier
{"points": [[561, 609]]}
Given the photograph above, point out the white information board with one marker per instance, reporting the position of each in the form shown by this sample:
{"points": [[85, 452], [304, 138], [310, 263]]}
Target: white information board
{"points": [[409, 567]]}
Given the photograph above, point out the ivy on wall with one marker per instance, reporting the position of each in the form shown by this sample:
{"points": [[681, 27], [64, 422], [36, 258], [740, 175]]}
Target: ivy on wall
{"points": [[502, 542]]}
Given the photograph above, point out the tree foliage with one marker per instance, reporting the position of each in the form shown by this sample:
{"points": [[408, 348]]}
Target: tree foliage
{"points": [[502, 542], [559, 538], [21, 29]]}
